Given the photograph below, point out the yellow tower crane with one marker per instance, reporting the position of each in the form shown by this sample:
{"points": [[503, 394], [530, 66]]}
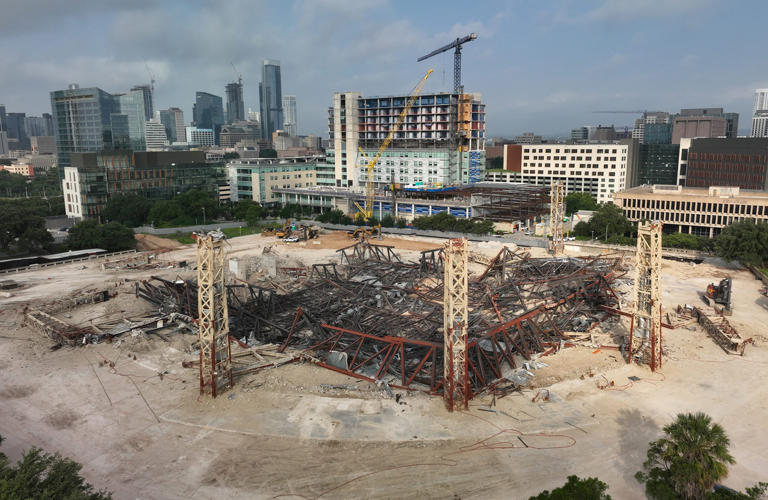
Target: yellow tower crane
{"points": [[367, 212]]}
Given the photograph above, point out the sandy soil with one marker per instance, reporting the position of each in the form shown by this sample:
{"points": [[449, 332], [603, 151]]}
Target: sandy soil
{"points": [[300, 431], [150, 242]]}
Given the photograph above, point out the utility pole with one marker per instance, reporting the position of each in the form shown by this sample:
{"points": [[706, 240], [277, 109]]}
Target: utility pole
{"points": [[213, 315], [645, 328], [456, 389]]}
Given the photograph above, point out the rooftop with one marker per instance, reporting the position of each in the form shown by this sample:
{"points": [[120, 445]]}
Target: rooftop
{"points": [[712, 191]]}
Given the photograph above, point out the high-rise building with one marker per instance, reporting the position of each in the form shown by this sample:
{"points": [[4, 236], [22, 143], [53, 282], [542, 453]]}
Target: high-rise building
{"points": [[760, 114], [173, 121], [270, 98], [648, 118], [128, 121], [254, 116], [657, 133], [15, 127], [81, 121], [149, 105], [36, 126], [704, 122], [290, 120], [91, 120], [235, 104], [154, 133], [2, 118], [580, 134], [425, 151], [208, 112]]}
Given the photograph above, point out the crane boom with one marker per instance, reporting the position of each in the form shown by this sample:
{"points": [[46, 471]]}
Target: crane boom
{"points": [[456, 57], [367, 212]]}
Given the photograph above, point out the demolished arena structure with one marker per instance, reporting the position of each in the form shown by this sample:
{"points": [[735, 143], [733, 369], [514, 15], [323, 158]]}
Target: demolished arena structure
{"points": [[375, 317]]}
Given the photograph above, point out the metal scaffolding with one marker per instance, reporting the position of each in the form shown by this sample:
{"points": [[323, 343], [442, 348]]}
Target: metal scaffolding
{"points": [[645, 329], [213, 315], [556, 215], [457, 392], [375, 316]]}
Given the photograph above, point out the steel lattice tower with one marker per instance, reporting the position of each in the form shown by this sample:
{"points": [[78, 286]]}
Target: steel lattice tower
{"points": [[213, 316], [645, 330], [556, 215], [456, 389]]}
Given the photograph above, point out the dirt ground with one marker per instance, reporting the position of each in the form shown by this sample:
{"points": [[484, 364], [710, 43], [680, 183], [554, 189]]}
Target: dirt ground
{"points": [[150, 242], [298, 431]]}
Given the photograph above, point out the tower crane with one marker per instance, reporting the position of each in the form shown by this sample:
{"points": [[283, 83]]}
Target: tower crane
{"points": [[367, 212], [151, 77], [239, 75], [456, 57]]}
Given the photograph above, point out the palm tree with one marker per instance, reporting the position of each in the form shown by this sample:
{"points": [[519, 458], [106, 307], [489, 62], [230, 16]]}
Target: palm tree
{"points": [[691, 458]]}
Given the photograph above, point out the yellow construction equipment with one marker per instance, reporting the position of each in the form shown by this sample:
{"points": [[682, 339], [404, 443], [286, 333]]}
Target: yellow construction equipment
{"points": [[367, 212], [285, 231], [364, 231]]}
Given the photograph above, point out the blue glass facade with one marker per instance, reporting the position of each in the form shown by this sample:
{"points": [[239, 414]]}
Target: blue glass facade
{"points": [[81, 121], [270, 98]]}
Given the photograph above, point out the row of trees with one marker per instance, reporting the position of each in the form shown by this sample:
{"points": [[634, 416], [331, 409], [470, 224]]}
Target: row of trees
{"points": [[686, 463], [745, 241], [17, 185], [447, 222]]}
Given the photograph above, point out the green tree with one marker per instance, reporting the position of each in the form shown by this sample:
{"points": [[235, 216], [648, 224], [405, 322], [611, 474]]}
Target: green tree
{"points": [[609, 219], [240, 209], [197, 204], [388, 221], [579, 201], [254, 215], [290, 211], [267, 153], [128, 209], [164, 212], [40, 475], [112, 236], [581, 489], [745, 241], [688, 460], [21, 231]]}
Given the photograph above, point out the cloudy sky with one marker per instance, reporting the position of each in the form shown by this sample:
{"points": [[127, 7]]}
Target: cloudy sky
{"points": [[540, 66]]}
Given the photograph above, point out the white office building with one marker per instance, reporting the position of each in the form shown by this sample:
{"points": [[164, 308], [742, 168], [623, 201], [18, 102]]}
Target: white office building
{"points": [[598, 169], [290, 120], [154, 135], [200, 137], [760, 114]]}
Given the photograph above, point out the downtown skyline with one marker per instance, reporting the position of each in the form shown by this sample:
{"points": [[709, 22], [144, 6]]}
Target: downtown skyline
{"points": [[539, 68]]}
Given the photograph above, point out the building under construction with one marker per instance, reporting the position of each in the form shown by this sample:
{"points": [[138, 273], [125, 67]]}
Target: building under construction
{"points": [[373, 316], [505, 203]]}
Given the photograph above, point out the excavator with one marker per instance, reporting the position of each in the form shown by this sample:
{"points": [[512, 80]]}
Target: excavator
{"points": [[720, 294], [285, 231], [364, 231]]}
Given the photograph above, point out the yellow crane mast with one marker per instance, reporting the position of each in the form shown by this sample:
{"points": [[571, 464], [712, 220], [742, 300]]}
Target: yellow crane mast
{"points": [[367, 212]]}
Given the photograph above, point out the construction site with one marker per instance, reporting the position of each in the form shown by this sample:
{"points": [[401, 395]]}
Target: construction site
{"points": [[263, 367]]}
